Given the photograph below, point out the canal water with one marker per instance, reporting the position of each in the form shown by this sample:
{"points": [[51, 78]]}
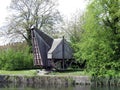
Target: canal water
{"points": [[48, 87]]}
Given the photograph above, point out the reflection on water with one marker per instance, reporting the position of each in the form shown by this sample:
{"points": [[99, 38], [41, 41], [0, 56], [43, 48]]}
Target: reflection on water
{"points": [[51, 87], [105, 88]]}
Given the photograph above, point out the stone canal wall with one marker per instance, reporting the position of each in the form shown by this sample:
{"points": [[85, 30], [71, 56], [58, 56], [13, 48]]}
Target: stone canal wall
{"points": [[57, 80], [48, 80]]}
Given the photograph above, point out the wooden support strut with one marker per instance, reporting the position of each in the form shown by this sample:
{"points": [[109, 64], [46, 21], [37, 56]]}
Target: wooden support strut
{"points": [[63, 61]]}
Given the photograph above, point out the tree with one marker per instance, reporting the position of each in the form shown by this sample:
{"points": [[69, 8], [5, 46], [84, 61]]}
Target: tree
{"points": [[73, 31], [73, 27], [100, 44], [111, 20], [28, 13]]}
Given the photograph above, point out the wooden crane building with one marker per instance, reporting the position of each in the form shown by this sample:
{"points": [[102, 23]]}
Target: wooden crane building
{"points": [[49, 52]]}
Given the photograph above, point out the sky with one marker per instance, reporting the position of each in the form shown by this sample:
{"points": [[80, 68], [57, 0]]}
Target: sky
{"points": [[69, 7], [3, 9], [66, 7]]}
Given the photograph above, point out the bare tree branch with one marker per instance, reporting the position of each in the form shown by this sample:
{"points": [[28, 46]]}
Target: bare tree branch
{"points": [[28, 13]]}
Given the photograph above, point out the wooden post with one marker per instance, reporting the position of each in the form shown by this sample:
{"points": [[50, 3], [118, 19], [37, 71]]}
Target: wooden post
{"points": [[63, 52]]}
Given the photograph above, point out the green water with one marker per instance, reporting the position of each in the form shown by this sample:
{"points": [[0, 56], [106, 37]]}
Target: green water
{"points": [[42, 87]]}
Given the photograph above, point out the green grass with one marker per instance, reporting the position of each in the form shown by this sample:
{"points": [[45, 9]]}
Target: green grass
{"points": [[71, 73], [21, 72], [33, 73]]}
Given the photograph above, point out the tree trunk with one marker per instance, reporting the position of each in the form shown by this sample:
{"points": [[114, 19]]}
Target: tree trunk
{"points": [[29, 41]]}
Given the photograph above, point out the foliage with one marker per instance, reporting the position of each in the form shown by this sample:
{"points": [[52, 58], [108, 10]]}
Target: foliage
{"points": [[100, 44], [98, 37], [16, 59], [74, 30]]}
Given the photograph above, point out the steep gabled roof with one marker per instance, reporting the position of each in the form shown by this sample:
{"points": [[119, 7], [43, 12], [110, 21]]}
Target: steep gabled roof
{"points": [[56, 42], [47, 39], [41, 43]]}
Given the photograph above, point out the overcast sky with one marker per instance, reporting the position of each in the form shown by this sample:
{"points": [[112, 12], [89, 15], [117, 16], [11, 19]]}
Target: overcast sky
{"points": [[66, 8]]}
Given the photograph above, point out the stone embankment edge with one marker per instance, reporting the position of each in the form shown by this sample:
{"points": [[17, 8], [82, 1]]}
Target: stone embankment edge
{"points": [[58, 80], [45, 79]]}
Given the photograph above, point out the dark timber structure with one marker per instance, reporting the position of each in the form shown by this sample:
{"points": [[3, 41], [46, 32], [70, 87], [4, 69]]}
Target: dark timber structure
{"points": [[49, 52]]}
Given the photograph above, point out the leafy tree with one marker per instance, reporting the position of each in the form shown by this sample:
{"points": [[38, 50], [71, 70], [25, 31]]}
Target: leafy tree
{"points": [[100, 44], [73, 31], [28, 13]]}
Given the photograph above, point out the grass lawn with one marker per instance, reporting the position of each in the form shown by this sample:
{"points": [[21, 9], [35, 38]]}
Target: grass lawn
{"points": [[33, 72], [21, 72], [61, 73], [70, 73]]}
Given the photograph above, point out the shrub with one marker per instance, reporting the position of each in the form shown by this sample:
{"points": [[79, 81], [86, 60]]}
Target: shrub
{"points": [[12, 59]]}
